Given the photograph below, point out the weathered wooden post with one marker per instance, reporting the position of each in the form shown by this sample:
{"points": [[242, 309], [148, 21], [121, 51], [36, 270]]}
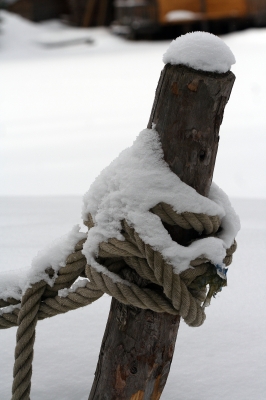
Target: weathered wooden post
{"points": [[138, 345]]}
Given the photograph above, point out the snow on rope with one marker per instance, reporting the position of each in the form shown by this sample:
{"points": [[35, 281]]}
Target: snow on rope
{"points": [[124, 210]]}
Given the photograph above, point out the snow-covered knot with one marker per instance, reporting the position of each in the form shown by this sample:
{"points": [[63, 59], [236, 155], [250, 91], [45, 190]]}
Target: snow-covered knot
{"points": [[125, 209], [183, 293]]}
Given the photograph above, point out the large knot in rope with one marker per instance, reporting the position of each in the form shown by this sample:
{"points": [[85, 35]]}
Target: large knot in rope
{"points": [[183, 294]]}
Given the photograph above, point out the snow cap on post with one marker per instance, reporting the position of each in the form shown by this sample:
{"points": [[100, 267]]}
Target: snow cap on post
{"points": [[201, 51]]}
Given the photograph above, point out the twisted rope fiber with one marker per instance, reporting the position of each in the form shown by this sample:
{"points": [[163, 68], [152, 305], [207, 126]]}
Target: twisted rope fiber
{"points": [[27, 320], [180, 297], [150, 265]]}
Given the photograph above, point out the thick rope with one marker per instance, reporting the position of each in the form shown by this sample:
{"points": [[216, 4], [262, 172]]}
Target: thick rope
{"points": [[149, 264], [187, 220], [182, 294], [27, 320]]}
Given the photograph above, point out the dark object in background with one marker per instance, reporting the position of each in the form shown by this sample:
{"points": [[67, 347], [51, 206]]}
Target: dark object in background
{"points": [[77, 12], [147, 18], [91, 12], [37, 10], [136, 18]]}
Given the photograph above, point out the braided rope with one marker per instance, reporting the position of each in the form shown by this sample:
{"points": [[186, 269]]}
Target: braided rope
{"points": [[187, 220], [27, 320], [52, 306], [182, 294], [149, 264]]}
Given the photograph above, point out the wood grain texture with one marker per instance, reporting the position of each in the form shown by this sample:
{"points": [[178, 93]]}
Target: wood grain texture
{"points": [[188, 111], [138, 345]]}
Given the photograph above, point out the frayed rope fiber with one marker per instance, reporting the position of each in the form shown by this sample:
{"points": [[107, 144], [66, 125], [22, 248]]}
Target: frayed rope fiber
{"points": [[183, 294]]}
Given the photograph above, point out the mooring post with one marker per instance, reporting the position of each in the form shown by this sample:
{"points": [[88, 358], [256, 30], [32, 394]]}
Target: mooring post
{"points": [[136, 355]]}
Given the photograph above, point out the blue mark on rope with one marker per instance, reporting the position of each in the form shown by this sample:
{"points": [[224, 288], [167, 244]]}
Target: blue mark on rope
{"points": [[221, 270]]}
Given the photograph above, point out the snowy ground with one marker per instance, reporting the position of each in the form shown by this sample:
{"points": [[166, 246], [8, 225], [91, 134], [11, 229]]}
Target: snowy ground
{"points": [[65, 114]]}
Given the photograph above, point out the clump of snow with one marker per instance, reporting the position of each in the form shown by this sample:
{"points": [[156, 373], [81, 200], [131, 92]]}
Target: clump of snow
{"points": [[82, 282], [230, 222], [11, 283], [134, 183], [54, 255], [200, 50], [10, 309]]}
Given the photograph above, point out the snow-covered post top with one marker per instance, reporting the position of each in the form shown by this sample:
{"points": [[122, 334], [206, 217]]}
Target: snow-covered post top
{"points": [[201, 51]]}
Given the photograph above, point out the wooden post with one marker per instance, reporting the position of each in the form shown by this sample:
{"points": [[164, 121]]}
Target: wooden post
{"points": [[138, 345]]}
